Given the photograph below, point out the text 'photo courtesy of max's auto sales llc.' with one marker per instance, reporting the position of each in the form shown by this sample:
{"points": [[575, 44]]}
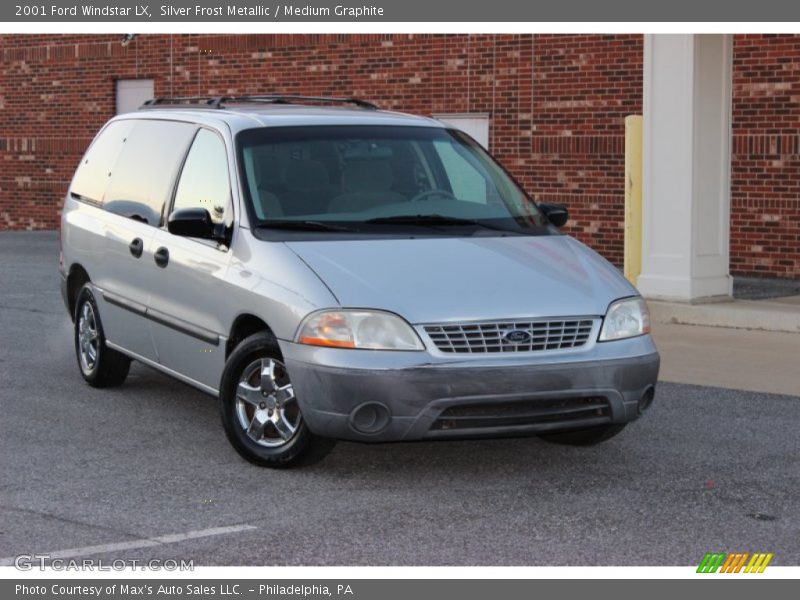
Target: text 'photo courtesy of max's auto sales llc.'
{"points": [[171, 589]]}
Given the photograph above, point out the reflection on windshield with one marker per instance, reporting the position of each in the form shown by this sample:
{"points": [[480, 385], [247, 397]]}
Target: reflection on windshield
{"points": [[362, 175]]}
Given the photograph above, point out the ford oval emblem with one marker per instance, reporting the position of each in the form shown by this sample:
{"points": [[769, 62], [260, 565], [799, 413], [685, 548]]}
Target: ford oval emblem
{"points": [[517, 336]]}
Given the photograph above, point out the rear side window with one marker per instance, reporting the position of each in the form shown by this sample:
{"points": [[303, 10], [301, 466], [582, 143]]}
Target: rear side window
{"points": [[204, 181], [141, 181], [93, 174]]}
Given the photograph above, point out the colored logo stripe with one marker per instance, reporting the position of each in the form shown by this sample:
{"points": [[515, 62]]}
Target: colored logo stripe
{"points": [[711, 562], [758, 563], [733, 563]]}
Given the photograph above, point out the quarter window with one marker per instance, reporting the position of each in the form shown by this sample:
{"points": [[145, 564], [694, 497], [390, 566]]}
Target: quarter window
{"points": [[204, 181], [93, 174]]}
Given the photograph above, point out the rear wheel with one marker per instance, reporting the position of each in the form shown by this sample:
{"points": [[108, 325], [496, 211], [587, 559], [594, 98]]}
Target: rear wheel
{"points": [[584, 437], [100, 365], [260, 413]]}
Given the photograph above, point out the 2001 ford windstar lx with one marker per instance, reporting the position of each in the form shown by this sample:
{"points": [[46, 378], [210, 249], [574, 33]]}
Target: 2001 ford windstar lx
{"points": [[333, 271]]}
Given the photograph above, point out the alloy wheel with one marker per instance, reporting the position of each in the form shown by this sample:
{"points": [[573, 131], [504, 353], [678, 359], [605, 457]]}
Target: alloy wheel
{"points": [[88, 338], [266, 404]]}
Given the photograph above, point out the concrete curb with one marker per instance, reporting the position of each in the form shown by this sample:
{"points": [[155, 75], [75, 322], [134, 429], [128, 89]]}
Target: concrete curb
{"points": [[739, 314]]}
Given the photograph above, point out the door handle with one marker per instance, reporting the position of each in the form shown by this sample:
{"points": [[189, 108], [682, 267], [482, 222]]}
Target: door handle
{"points": [[136, 247], [161, 257]]}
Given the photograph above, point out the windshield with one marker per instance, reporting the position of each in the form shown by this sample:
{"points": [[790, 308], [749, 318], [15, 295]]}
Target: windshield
{"points": [[371, 179]]}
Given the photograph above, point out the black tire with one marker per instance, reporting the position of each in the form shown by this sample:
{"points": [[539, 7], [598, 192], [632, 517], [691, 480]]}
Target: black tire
{"points": [[302, 448], [584, 437], [109, 368]]}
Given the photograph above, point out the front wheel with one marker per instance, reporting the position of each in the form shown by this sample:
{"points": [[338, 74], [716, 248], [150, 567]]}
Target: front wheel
{"points": [[584, 437], [260, 413]]}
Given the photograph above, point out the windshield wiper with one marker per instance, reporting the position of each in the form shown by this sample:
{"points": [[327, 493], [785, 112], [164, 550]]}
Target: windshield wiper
{"points": [[433, 220], [303, 225]]}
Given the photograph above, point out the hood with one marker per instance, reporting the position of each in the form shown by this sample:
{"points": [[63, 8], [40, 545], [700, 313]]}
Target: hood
{"points": [[460, 279]]}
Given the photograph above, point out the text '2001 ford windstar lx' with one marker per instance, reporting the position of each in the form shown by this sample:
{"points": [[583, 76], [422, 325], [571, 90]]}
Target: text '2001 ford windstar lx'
{"points": [[333, 271]]}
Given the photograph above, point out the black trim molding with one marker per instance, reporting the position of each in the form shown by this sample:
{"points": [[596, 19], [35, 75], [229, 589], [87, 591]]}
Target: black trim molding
{"points": [[182, 326], [162, 318], [134, 307]]}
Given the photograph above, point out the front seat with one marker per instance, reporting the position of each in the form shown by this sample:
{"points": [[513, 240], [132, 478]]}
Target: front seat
{"points": [[308, 187], [267, 168], [366, 184]]}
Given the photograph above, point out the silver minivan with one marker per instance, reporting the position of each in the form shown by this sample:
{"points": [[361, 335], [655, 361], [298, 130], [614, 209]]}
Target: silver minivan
{"points": [[332, 271]]}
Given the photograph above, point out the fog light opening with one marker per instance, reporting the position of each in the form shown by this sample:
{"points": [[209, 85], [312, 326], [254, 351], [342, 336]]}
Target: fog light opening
{"points": [[647, 399], [370, 418]]}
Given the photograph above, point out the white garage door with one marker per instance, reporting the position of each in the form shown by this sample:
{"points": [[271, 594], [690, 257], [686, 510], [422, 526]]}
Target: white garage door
{"points": [[131, 93], [475, 125]]}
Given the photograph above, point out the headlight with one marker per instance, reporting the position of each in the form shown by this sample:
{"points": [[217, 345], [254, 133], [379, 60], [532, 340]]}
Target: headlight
{"points": [[372, 330], [625, 318]]}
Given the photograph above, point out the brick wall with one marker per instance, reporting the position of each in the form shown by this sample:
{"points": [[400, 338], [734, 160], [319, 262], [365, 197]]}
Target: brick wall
{"points": [[557, 105], [765, 167]]}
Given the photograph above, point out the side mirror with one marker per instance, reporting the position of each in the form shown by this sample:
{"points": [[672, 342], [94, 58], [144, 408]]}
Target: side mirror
{"points": [[191, 222], [557, 214]]}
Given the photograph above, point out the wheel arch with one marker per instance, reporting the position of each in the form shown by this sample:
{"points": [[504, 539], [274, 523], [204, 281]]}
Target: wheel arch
{"points": [[245, 325], [77, 277]]}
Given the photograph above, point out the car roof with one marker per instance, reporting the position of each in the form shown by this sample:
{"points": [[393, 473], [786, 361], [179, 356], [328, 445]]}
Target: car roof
{"points": [[250, 115]]}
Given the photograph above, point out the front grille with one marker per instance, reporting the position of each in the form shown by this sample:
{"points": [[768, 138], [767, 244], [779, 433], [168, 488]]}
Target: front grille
{"points": [[498, 337], [549, 413]]}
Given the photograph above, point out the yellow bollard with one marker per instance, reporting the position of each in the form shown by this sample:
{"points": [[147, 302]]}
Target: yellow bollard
{"points": [[633, 198]]}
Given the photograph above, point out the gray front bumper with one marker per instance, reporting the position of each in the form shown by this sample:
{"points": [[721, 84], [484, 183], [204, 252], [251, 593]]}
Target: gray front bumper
{"points": [[415, 388]]}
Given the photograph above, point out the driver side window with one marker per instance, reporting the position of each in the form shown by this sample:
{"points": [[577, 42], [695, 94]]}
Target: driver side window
{"points": [[204, 181]]}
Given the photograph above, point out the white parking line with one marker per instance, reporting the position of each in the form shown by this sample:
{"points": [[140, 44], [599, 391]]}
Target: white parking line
{"points": [[134, 544]]}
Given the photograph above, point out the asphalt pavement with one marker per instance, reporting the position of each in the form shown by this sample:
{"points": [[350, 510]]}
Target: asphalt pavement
{"points": [[85, 470]]}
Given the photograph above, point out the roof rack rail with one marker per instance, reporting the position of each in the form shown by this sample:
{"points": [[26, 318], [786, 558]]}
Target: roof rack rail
{"points": [[221, 101], [182, 101]]}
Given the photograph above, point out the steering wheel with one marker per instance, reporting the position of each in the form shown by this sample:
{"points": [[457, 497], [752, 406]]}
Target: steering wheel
{"points": [[428, 193]]}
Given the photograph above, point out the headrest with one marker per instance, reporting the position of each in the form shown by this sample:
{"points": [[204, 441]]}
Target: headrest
{"points": [[267, 167], [367, 176], [303, 175]]}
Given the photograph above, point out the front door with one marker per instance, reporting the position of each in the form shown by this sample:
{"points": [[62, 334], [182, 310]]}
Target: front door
{"points": [[187, 304]]}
